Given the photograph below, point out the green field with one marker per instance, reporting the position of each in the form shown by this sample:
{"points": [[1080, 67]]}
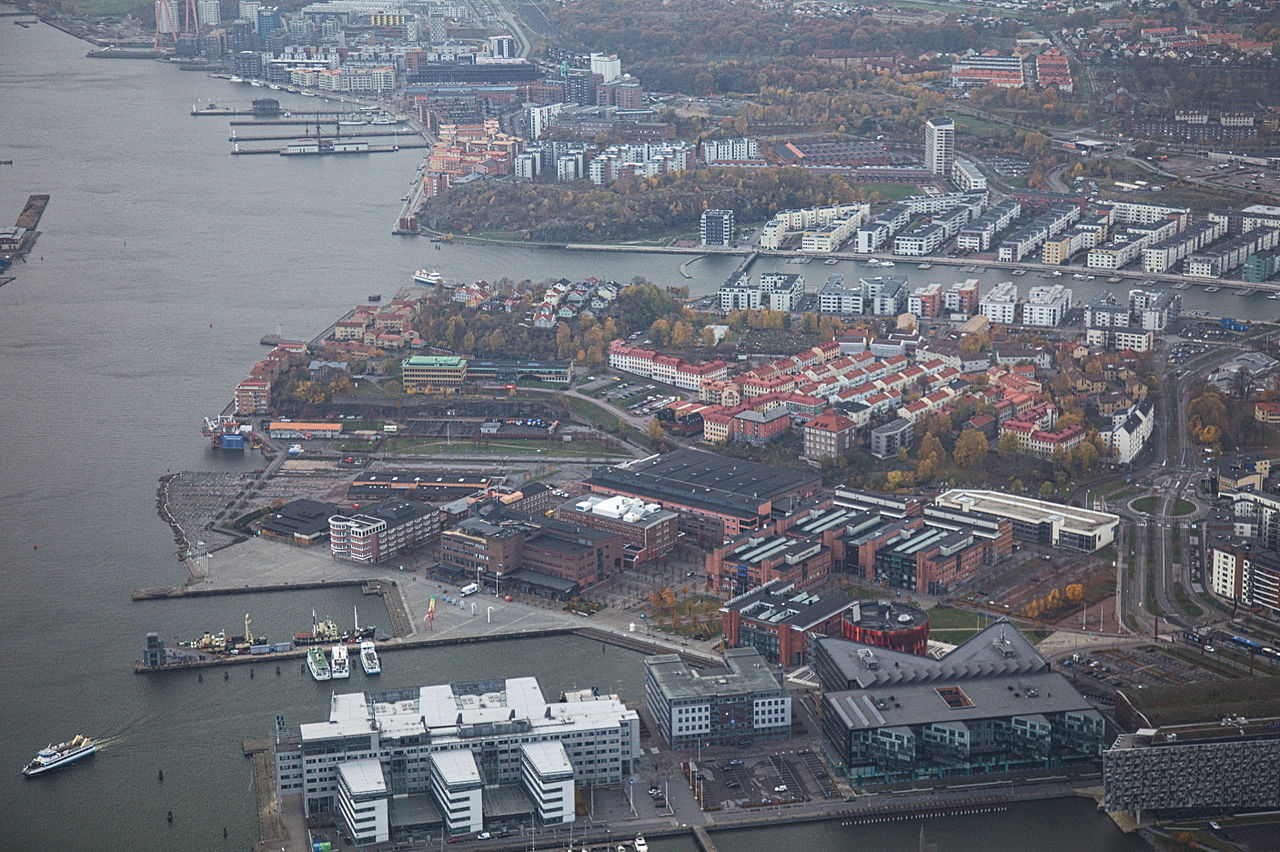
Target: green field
{"points": [[892, 191], [954, 626], [1148, 505]]}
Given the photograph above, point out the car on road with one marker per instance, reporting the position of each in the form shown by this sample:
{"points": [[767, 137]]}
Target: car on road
{"points": [[484, 835]]}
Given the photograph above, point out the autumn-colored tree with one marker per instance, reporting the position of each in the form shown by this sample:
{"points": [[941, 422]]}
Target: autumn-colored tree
{"points": [[971, 448], [1075, 592], [655, 431], [668, 597]]}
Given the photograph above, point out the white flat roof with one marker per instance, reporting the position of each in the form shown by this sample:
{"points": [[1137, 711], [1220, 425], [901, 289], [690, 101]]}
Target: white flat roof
{"points": [[548, 758], [1028, 509], [457, 766], [363, 776]]}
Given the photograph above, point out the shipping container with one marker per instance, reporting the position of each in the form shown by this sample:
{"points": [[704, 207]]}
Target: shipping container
{"points": [[259, 649]]}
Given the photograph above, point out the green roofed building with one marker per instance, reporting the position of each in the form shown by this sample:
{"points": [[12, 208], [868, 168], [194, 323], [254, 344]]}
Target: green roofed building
{"points": [[434, 373]]}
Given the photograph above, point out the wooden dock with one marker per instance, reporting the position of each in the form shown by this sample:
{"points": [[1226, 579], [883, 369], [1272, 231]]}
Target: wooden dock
{"points": [[327, 136]]}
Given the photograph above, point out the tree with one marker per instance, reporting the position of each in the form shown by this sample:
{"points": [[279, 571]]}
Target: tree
{"points": [[655, 431], [668, 597], [1075, 592], [971, 448], [1008, 444], [1046, 488]]}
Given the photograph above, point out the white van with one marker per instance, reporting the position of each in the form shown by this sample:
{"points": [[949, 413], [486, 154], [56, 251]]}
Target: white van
{"points": [[470, 590]]}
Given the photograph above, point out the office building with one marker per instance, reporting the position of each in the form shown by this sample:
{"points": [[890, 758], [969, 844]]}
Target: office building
{"points": [[740, 704], [990, 705], [502, 47], [647, 530], [1227, 766], [433, 373], [451, 756], [777, 619], [1055, 524], [716, 497], [939, 145], [381, 531], [716, 228]]}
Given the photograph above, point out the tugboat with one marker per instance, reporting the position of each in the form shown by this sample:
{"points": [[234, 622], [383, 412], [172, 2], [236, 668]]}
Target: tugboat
{"points": [[53, 757]]}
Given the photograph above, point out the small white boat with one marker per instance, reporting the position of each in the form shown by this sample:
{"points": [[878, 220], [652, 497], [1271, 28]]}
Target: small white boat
{"points": [[256, 84], [925, 266], [307, 94], [369, 658], [341, 663], [353, 122], [887, 263], [875, 261], [641, 844], [234, 79]]}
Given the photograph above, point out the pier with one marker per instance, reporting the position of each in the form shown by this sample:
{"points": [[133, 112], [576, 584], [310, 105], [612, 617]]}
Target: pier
{"points": [[372, 149], [290, 137]]}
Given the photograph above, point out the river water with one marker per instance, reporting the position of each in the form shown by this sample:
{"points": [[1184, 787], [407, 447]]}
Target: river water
{"points": [[162, 261]]}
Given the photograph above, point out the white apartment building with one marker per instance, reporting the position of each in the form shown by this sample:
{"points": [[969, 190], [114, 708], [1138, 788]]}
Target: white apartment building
{"points": [[836, 297], [728, 150], [921, 240], [209, 12], [1046, 306], [1000, 305], [967, 177], [939, 145]]}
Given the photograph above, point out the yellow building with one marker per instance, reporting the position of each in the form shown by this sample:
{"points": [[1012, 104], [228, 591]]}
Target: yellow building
{"points": [[433, 373]]}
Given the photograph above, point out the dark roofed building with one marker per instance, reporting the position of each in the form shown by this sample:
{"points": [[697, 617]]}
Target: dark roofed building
{"points": [[778, 618], [300, 521], [992, 704], [715, 496]]}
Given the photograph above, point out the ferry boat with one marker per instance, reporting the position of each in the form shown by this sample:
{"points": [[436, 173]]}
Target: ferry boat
{"points": [[429, 277], [641, 844], [318, 664], [369, 658], [53, 757], [341, 667]]}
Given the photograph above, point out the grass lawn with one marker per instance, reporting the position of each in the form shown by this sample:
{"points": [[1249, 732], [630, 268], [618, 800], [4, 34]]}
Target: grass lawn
{"points": [[892, 191], [954, 626], [1148, 505]]}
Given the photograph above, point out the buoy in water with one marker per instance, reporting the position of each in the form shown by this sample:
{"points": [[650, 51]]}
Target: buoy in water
{"points": [[169, 817], [226, 676], [160, 775]]}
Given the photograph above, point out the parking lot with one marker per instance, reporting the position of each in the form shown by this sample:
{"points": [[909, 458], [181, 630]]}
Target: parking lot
{"points": [[1123, 668], [789, 775]]}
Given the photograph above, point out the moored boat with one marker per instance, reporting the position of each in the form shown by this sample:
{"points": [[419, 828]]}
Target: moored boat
{"points": [[53, 757], [340, 668], [429, 277], [318, 664], [641, 844], [369, 658]]}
